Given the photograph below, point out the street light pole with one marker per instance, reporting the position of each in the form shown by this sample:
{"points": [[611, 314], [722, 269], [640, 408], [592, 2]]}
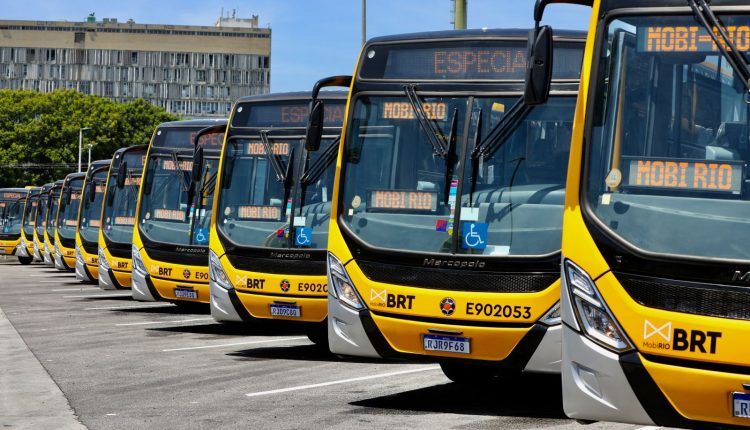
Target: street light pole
{"points": [[89, 164], [80, 145], [364, 22]]}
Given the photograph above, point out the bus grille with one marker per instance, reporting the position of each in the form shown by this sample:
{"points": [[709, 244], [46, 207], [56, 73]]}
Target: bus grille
{"points": [[723, 301], [458, 280], [269, 265]]}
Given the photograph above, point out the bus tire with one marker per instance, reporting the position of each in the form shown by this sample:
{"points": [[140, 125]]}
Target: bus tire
{"points": [[25, 260]]}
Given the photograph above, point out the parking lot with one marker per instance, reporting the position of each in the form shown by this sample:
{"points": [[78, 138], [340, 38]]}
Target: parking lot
{"points": [[125, 364]]}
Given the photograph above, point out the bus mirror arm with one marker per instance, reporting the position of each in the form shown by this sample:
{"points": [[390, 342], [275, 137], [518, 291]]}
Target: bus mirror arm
{"points": [[316, 119], [542, 4], [121, 173]]}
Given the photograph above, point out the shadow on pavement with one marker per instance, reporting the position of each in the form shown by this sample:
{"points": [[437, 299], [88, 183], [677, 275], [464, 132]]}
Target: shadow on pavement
{"points": [[230, 329], [530, 396], [108, 297], [310, 352]]}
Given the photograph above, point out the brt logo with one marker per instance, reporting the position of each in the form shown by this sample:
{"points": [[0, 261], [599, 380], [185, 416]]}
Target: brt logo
{"points": [[384, 299], [668, 338]]}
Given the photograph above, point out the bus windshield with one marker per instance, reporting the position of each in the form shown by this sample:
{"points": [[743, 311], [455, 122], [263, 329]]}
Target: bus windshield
{"points": [[52, 218], [165, 216], [12, 211], [120, 203], [259, 214], [667, 168], [67, 215], [401, 189], [29, 215], [89, 219], [41, 216]]}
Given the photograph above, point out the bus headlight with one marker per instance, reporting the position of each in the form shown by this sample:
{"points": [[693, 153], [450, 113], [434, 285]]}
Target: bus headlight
{"points": [[341, 286], [138, 261], [79, 256], [103, 263], [592, 313], [552, 317], [217, 272]]}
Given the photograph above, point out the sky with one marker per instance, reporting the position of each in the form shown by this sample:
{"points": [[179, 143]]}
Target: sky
{"points": [[311, 39]]}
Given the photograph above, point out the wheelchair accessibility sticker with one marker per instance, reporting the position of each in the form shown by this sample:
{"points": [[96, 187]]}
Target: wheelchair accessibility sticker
{"points": [[201, 236], [303, 237], [474, 235]]}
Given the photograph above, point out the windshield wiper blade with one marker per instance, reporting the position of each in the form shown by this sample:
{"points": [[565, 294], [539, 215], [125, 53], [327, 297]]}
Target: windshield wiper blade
{"points": [[184, 183], [450, 157], [496, 137], [273, 159], [428, 126], [328, 156], [709, 21]]}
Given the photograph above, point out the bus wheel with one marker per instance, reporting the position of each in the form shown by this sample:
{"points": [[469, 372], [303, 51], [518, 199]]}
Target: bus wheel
{"points": [[25, 260], [465, 373], [319, 337]]}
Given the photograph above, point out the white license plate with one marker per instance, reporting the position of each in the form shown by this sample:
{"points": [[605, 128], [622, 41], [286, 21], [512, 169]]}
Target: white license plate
{"points": [[460, 345], [292, 311], [741, 405], [185, 293]]}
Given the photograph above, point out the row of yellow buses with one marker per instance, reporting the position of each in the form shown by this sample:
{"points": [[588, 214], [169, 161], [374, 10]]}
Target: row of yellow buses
{"points": [[496, 201]]}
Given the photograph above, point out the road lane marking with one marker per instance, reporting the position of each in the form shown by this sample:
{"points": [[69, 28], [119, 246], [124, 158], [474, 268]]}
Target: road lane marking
{"points": [[58, 281], [223, 345], [88, 296], [154, 305], [74, 289], [342, 381], [164, 322]]}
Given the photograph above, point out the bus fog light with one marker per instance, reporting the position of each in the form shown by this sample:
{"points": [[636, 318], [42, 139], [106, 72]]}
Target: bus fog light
{"points": [[592, 313], [342, 287], [552, 317], [217, 272]]}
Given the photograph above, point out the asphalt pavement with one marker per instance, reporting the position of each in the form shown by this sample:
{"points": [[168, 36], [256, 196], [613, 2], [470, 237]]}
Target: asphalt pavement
{"points": [[121, 364]]}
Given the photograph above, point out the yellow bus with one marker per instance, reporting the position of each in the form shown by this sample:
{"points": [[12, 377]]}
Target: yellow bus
{"points": [[118, 216], [67, 219], [89, 221], [40, 246], [53, 204], [446, 220], [269, 233], [29, 218], [656, 262], [12, 201], [170, 242]]}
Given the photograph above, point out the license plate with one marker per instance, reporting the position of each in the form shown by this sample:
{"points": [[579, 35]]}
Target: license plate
{"points": [[185, 293], [741, 405], [292, 311], [460, 345]]}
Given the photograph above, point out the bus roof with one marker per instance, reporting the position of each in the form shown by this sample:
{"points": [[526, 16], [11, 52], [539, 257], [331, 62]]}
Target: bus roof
{"points": [[194, 123], [14, 190], [621, 4], [130, 148], [294, 95], [494, 33], [75, 175]]}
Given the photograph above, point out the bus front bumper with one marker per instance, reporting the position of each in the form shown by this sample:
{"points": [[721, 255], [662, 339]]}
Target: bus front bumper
{"points": [[21, 250], [82, 271], [365, 334], [59, 263], [47, 254], [231, 305], [37, 254], [141, 287], [110, 279]]}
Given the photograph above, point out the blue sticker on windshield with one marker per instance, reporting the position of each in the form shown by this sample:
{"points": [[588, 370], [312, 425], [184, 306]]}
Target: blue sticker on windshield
{"points": [[303, 236], [6, 229], [474, 235], [201, 236]]}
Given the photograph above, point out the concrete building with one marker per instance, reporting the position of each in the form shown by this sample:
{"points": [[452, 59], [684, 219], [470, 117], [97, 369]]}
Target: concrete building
{"points": [[192, 71]]}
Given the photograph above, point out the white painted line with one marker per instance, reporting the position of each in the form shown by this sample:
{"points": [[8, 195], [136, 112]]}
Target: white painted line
{"points": [[88, 296], [223, 345], [59, 281], [343, 381], [648, 428], [164, 322], [82, 289], [155, 305]]}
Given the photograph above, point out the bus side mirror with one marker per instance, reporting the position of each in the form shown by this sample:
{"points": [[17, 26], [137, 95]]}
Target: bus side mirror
{"points": [[92, 192], [197, 164], [121, 172], [314, 132], [539, 66]]}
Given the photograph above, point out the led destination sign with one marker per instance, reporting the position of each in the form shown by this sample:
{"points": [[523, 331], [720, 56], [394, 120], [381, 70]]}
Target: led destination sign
{"points": [[12, 195], [458, 60], [403, 110], [270, 115], [277, 148], [270, 213], [680, 174], [417, 201], [688, 38]]}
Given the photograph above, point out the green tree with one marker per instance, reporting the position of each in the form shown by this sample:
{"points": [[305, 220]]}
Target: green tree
{"points": [[41, 131]]}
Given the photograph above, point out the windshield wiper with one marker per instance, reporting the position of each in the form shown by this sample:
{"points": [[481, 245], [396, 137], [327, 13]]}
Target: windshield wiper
{"points": [[709, 21], [495, 139], [450, 157], [434, 135], [184, 182], [313, 172], [273, 159]]}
